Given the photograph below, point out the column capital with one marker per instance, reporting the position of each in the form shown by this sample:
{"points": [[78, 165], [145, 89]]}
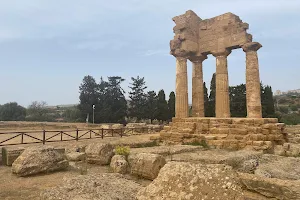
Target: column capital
{"points": [[224, 53], [198, 59], [181, 58], [251, 46]]}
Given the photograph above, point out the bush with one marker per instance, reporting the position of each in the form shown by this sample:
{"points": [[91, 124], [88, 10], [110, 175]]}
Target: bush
{"points": [[122, 150]]}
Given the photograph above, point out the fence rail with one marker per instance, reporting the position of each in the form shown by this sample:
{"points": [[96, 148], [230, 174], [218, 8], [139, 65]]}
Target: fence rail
{"points": [[44, 136]]}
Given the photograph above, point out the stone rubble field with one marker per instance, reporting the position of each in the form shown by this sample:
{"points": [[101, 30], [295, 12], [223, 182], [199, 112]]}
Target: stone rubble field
{"points": [[150, 170]]}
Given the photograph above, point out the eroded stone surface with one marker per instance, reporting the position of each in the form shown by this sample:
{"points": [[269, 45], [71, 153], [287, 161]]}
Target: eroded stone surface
{"points": [[178, 180], [146, 165], [280, 167], [97, 153], [272, 187], [76, 156], [37, 160], [107, 186], [119, 164]]}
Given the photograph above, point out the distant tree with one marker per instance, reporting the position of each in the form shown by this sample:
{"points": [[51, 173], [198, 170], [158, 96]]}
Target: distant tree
{"points": [[137, 104], [283, 109], [267, 101], [37, 111], [238, 105], [114, 104], [12, 112], [151, 105], [212, 97], [89, 96], [206, 101], [72, 114], [171, 105], [162, 107]]}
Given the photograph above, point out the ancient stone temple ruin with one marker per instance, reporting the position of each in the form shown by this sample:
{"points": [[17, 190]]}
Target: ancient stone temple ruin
{"points": [[194, 39]]}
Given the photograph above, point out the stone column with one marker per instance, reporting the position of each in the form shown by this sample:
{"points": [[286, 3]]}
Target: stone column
{"points": [[253, 94], [222, 85], [197, 87], [181, 104]]}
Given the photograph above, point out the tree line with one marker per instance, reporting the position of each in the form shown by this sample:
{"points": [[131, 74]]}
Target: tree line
{"points": [[238, 102], [106, 100]]}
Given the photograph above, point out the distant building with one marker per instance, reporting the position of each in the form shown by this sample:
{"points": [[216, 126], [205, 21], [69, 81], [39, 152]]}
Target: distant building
{"points": [[278, 92]]}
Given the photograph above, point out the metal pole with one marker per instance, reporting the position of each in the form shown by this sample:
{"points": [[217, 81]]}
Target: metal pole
{"points": [[93, 114]]}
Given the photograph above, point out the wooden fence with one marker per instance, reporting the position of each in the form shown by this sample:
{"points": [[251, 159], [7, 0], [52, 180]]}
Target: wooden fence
{"points": [[44, 136]]}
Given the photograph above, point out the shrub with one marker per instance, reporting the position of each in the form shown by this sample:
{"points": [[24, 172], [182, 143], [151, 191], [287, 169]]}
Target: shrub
{"points": [[122, 150]]}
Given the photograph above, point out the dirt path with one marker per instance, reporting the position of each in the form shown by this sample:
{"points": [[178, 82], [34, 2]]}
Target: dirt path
{"points": [[13, 187]]}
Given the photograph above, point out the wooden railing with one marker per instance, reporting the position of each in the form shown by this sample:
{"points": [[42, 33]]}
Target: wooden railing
{"points": [[44, 136]]}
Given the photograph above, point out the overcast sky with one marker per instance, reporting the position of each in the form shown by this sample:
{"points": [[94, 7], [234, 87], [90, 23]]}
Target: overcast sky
{"points": [[48, 46]]}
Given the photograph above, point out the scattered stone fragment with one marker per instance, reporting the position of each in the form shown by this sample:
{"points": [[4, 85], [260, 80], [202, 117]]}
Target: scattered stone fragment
{"points": [[37, 160], [146, 165], [98, 153], [119, 164]]}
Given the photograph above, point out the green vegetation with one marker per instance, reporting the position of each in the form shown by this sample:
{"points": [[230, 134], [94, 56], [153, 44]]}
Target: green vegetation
{"points": [[122, 150], [287, 108]]}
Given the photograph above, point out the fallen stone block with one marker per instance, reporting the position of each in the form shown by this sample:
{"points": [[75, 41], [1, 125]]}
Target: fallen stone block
{"points": [[146, 165], [37, 160], [98, 153], [10, 154], [271, 187], [119, 164], [181, 180]]}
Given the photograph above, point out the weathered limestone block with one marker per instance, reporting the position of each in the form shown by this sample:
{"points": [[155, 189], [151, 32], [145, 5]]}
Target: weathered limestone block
{"points": [[146, 165], [97, 153], [119, 164], [271, 187], [37, 160], [76, 156], [10, 154], [183, 180]]}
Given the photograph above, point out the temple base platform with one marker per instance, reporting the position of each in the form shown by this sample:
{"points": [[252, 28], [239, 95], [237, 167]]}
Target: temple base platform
{"points": [[226, 133]]}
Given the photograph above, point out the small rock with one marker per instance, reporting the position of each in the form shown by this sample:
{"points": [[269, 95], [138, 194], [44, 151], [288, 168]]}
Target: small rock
{"points": [[119, 164]]}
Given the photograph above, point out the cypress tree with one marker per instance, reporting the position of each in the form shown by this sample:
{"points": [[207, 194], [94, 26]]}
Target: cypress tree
{"points": [[162, 107], [137, 97], [171, 105], [206, 101], [212, 97]]}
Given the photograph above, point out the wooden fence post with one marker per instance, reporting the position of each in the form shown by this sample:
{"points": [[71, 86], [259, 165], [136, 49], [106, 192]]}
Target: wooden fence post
{"points": [[77, 134], [44, 136]]}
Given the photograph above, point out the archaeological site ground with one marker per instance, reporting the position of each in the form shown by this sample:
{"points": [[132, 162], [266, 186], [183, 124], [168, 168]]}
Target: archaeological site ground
{"points": [[191, 158]]}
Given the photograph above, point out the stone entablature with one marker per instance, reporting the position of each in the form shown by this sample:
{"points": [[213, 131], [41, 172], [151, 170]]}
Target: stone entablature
{"points": [[227, 133]]}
